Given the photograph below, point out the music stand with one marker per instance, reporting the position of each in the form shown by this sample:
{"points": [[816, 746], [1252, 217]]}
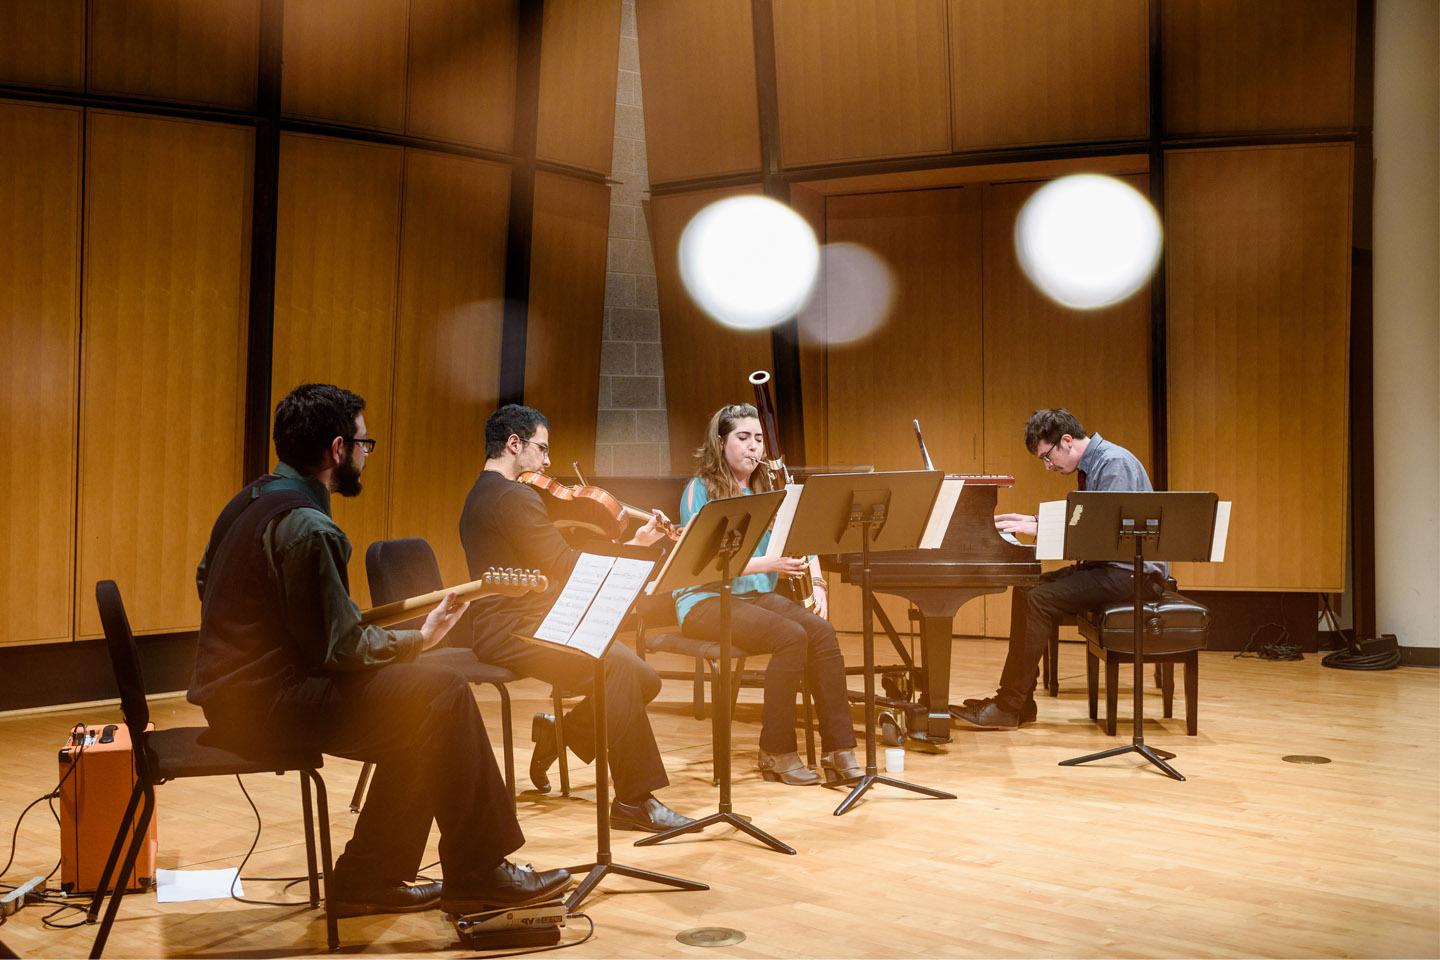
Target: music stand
{"points": [[720, 532], [843, 512], [1106, 525], [604, 862]]}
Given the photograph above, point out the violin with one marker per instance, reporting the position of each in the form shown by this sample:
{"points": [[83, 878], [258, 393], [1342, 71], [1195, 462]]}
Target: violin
{"points": [[585, 507]]}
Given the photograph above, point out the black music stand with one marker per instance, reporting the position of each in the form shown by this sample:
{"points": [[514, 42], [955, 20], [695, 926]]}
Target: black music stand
{"points": [[720, 532], [604, 862], [839, 512], [1105, 525]]}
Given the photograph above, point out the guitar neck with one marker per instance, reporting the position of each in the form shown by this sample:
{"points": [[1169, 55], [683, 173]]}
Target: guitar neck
{"points": [[412, 607]]}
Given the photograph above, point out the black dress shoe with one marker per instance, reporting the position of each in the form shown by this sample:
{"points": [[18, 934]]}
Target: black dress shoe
{"points": [[542, 731], [988, 715], [507, 885], [358, 898], [1027, 715], [649, 815]]}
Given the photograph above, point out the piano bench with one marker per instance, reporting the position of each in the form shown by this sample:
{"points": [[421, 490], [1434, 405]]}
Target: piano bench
{"points": [[1176, 629]]}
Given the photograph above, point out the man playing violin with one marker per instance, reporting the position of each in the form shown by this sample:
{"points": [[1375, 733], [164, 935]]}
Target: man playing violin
{"points": [[505, 524]]}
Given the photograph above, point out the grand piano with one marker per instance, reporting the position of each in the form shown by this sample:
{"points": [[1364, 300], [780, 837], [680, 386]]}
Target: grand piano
{"points": [[973, 559]]}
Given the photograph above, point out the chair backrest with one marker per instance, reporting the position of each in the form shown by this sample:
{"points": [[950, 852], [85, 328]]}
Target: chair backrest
{"points": [[402, 568], [125, 661]]}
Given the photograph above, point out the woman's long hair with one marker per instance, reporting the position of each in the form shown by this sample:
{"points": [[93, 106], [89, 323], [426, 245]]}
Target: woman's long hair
{"points": [[713, 470]]}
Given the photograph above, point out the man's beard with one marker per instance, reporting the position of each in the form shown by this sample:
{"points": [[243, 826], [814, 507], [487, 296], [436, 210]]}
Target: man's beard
{"points": [[347, 480]]}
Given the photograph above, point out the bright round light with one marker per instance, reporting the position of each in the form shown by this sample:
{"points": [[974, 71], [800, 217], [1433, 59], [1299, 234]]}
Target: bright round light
{"points": [[749, 261], [1087, 241], [859, 292]]}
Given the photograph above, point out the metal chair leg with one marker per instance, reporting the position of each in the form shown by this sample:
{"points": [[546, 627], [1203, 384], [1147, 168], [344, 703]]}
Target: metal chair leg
{"points": [[147, 810], [507, 737], [361, 785], [309, 815], [560, 751]]}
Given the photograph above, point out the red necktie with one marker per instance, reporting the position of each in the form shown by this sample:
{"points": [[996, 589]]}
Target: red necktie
{"points": [[1082, 478]]}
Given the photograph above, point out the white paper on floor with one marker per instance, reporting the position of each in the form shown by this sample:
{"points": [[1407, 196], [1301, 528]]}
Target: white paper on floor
{"points": [[177, 886]]}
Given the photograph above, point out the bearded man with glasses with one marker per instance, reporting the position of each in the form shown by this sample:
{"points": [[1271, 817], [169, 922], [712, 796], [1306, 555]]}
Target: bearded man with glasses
{"points": [[1061, 443], [505, 524], [283, 658]]}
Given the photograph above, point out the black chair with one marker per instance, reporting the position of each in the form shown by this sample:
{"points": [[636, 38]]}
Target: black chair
{"points": [[406, 567], [182, 752]]}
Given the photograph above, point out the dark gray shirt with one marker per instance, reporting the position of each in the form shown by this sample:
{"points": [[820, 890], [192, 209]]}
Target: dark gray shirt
{"points": [[1109, 466]]}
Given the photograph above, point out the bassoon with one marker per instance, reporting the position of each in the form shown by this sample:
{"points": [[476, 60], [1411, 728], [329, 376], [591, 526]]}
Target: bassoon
{"points": [[800, 587]]}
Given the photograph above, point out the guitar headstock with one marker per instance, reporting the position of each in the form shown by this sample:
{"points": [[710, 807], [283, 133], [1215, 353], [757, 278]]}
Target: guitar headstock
{"points": [[514, 581]]}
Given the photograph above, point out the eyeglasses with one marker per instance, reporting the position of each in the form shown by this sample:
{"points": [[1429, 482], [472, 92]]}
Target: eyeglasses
{"points": [[1045, 457], [543, 447], [365, 443]]}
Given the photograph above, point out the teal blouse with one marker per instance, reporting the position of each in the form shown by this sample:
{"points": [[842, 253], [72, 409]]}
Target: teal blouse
{"points": [[695, 497]]}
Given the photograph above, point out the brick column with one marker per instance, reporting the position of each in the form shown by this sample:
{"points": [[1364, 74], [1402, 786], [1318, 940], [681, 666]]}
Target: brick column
{"points": [[631, 437]]}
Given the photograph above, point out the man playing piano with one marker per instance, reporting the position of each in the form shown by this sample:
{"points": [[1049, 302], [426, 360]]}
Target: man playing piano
{"points": [[1061, 443]]}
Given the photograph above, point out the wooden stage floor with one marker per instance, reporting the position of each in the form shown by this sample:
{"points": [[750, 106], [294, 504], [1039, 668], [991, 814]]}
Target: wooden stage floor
{"points": [[1251, 857]]}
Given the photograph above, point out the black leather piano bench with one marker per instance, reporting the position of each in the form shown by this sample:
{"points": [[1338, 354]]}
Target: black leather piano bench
{"points": [[1176, 629]]}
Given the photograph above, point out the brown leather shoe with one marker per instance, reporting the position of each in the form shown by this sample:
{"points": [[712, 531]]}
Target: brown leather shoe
{"points": [[840, 766], [787, 768], [1027, 715], [358, 898], [987, 715]]}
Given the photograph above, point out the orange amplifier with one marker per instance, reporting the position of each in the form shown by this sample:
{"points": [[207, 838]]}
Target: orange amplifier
{"points": [[98, 773]]}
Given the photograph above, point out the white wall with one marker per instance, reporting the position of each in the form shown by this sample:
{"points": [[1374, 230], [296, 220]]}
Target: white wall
{"points": [[1407, 320]]}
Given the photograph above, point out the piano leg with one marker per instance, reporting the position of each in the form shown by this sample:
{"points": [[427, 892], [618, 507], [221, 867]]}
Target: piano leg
{"points": [[935, 642]]}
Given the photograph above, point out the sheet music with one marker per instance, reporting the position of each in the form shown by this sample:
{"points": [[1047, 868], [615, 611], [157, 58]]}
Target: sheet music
{"points": [[569, 608], [1050, 537], [784, 517], [940, 514], [611, 603], [1222, 531]]}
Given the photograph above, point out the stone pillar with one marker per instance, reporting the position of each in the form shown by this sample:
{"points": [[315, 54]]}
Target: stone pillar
{"points": [[631, 437]]}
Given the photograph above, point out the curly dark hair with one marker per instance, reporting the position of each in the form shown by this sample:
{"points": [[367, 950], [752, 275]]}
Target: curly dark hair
{"points": [[511, 419], [309, 418], [1050, 424]]}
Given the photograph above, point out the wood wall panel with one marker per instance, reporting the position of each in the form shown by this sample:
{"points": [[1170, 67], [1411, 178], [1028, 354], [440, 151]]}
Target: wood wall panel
{"points": [[1258, 284], [177, 50], [1040, 71], [861, 78], [337, 248], [462, 71], [697, 68], [1096, 364], [567, 313], [345, 61], [706, 363], [1235, 65], [925, 363], [39, 335], [579, 60], [166, 277], [42, 43], [447, 349]]}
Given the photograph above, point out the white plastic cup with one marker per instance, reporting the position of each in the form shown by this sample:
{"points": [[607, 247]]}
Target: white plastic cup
{"points": [[894, 759]]}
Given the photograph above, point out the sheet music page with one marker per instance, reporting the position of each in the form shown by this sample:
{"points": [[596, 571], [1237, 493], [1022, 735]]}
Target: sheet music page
{"points": [[784, 517], [610, 605], [944, 509], [1050, 539], [569, 608], [1222, 531]]}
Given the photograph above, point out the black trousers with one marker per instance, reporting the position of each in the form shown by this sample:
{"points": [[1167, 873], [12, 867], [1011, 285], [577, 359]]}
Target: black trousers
{"points": [[419, 725], [630, 684], [797, 641], [1035, 614]]}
